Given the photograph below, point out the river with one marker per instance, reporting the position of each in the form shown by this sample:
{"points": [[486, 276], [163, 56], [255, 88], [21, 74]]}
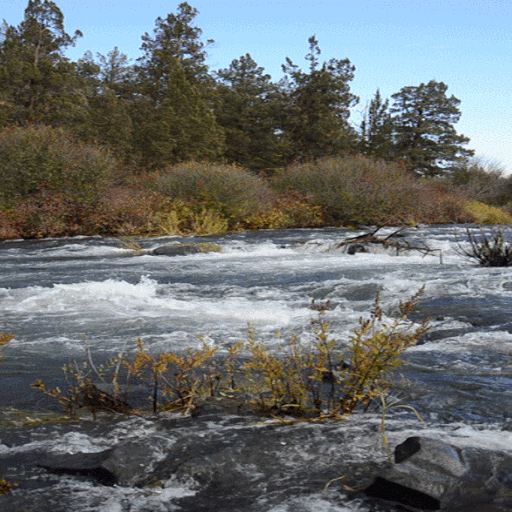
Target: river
{"points": [[60, 296]]}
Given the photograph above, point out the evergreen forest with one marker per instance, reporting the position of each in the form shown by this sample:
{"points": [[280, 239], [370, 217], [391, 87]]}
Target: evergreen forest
{"points": [[164, 145]]}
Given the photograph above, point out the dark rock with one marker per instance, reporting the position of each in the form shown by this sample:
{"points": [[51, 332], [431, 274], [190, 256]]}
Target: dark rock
{"points": [[432, 475], [82, 464], [409, 447], [391, 491], [126, 464], [355, 248], [176, 250], [185, 249]]}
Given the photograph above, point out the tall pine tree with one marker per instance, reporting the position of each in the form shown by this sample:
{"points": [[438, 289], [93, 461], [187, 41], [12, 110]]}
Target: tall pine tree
{"points": [[317, 106], [38, 82], [246, 109], [423, 123], [377, 129], [172, 112]]}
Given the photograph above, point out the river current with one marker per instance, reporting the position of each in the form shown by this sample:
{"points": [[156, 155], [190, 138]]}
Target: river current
{"points": [[60, 296]]}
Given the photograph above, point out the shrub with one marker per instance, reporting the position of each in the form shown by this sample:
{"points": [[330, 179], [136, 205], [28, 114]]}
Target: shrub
{"points": [[354, 190], [439, 204], [482, 213], [178, 217], [481, 180], [323, 379], [489, 251], [235, 192], [289, 210], [36, 157]]}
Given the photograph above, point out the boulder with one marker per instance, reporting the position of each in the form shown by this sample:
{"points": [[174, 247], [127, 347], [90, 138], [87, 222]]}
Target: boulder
{"points": [[355, 248], [178, 249], [126, 464], [429, 474]]}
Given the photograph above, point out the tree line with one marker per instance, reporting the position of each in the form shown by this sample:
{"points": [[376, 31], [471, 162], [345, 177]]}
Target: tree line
{"points": [[169, 107]]}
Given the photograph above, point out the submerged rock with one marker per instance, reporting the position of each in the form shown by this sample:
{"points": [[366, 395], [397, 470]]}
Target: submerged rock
{"points": [[429, 474], [185, 249]]}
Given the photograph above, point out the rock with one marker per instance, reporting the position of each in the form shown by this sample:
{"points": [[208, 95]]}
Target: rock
{"points": [[176, 250], [126, 464], [429, 474], [184, 249], [85, 464], [355, 248]]}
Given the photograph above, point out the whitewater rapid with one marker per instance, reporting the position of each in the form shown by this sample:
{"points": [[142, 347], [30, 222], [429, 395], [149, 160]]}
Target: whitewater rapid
{"points": [[64, 297]]}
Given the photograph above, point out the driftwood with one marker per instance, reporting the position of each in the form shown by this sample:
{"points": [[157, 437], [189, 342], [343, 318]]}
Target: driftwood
{"points": [[357, 243]]}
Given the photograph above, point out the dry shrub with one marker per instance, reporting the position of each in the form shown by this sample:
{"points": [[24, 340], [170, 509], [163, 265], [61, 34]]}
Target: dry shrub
{"points": [[8, 228], [437, 204], [321, 379], [128, 210], [46, 213], [354, 189], [35, 157], [489, 250], [178, 217], [289, 210], [360, 190], [236, 193], [485, 214], [481, 180]]}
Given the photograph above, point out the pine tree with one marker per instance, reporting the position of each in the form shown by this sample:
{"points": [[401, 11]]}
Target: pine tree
{"points": [[377, 129], [104, 85], [315, 116], [246, 109], [37, 80], [172, 111], [423, 119]]}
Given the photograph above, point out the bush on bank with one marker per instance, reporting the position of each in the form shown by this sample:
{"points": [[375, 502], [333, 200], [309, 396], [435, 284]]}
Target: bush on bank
{"points": [[356, 190], [235, 192], [485, 214], [43, 157], [53, 186]]}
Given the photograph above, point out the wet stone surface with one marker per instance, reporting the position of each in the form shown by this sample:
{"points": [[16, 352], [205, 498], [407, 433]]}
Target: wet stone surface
{"points": [[215, 462], [225, 462]]}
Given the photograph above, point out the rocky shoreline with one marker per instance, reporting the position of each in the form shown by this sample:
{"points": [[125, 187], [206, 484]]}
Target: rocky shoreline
{"points": [[222, 461]]}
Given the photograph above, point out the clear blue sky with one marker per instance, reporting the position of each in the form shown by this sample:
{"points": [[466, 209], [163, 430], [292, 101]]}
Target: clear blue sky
{"points": [[393, 43]]}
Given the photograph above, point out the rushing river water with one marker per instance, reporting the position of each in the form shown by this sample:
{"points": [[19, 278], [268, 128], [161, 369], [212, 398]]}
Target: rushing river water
{"points": [[62, 295]]}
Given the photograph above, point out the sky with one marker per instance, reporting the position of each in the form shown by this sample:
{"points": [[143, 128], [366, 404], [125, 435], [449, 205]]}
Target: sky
{"points": [[467, 44]]}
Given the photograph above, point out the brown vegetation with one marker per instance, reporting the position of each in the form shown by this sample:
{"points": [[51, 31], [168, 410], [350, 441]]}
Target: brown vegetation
{"points": [[55, 186], [318, 379]]}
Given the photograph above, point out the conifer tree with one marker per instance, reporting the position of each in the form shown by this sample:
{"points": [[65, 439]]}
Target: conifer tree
{"points": [[315, 115], [105, 85], [37, 80], [246, 109], [423, 125], [172, 112], [377, 129]]}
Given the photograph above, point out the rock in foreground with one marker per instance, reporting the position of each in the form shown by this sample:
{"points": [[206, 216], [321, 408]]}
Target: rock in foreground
{"points": [[429, 474]]}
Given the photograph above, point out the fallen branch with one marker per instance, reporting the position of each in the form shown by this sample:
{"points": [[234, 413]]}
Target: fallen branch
{"points": [[386, 242]]}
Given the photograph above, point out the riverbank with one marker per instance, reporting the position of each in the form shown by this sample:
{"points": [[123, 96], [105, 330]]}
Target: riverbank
{"points": [[213, 199]]}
